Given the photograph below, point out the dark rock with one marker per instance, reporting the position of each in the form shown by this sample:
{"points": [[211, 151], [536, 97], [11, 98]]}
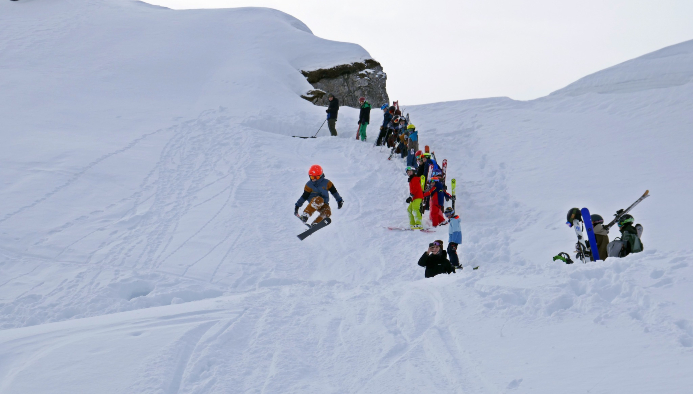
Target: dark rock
{"points": [[348, 82]]}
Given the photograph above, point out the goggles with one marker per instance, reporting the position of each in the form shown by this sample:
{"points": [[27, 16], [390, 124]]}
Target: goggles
{"points": [[432, 244], [314, 177]]}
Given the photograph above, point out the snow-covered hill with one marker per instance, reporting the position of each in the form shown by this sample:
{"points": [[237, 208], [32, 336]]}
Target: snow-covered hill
{"points": [[147, 242]]}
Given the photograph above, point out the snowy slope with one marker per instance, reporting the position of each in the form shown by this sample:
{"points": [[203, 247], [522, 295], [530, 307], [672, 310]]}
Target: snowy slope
{"points": [[156, 253]]}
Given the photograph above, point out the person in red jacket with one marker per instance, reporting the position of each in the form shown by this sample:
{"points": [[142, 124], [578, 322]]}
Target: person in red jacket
{"points": [[438, 197], [414, 200]]}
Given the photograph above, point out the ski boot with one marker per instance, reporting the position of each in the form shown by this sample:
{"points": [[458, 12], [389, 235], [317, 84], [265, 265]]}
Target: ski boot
{"points": [[304, 217]]}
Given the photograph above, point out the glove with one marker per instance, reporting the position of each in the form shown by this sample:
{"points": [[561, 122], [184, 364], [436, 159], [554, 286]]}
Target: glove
{"points": [[408, 200], [454, 198], [296, 210], [339, 204]]}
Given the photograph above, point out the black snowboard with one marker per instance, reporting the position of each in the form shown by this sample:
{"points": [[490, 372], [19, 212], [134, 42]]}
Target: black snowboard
{"points": [[315, 228]]}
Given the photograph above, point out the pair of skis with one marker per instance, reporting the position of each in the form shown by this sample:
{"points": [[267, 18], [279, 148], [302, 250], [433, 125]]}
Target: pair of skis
{"points": [[584, 251]]}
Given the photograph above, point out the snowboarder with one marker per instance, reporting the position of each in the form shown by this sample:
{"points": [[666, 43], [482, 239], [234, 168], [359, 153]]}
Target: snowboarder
{"points": [[601, 234], [387, 117], [316, 193], [630, 236], [414, 200], [455, 236], [332, 111], [364, 117], [435, 260]]}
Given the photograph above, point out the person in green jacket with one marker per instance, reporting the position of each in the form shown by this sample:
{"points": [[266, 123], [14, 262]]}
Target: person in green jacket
{"points": [[364, 118], [629, 236]]}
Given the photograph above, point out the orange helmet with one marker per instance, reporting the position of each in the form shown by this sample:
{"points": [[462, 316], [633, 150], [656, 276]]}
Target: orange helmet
{"points": [[315, 170]]}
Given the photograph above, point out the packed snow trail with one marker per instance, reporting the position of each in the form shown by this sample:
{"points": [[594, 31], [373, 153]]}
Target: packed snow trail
{"points": [[147, 242]]}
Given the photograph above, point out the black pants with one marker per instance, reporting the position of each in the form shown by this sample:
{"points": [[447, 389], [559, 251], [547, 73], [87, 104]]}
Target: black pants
{"points": [[452, 254], [381, 136]]}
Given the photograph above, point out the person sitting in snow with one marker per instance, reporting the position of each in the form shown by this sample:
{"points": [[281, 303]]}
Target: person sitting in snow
{"points": [[435, 260], [316, 192], [601, 235], [630, 235], [454, 236]]}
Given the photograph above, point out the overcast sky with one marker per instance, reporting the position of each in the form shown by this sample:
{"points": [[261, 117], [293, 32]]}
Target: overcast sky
{"points": [[443, 50]]}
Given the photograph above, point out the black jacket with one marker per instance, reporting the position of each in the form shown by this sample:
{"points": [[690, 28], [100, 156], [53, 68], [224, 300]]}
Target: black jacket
{"points": [[365, 113], [333, 108], [436, 264]]}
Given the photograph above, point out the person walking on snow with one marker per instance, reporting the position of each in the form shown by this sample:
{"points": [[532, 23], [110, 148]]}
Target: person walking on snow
{"points": [[316, 193], [332, 111], [364, 117], [414, 200], [455, 236], [435, 260]]}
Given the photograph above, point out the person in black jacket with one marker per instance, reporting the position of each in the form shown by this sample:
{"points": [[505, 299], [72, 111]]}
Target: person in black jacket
{"points": [[332, 111], [435, 259], [364, 118]]}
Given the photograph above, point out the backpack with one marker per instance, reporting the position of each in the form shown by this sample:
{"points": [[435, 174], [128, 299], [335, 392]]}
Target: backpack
{"points": [[633, 241], [614, 248]]}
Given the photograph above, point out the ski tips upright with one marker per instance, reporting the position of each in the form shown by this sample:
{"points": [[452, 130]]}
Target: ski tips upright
{"points": [[647, 192]]}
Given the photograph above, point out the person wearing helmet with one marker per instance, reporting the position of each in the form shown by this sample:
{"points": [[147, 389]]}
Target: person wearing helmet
{"points": [[390, 137], [454, 236], [414, 200], [413, 137], [629, 236], [364, 117], [316, 193], [387, 118], [601, 235], [438, 195], [332, 111]]}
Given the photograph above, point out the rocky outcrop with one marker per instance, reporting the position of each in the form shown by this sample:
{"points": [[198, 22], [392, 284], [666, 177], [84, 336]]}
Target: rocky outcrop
{"points": [[348, 82]]}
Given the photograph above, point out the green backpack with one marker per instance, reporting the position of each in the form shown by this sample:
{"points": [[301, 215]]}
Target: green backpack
{"points": [[633, 241]]}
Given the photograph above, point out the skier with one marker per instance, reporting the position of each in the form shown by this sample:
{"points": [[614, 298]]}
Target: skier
{"points": [[364, 117], [316, 193], [455, 236], [435, 260], [630, 236], [601, 235], [438, 196], [414, 200], [387, 117], [332, 111], [413, 137]]}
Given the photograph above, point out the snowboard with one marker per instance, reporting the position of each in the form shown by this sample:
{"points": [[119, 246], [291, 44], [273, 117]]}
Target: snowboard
{"points": [[426, 230], [315, 228], [587, 219]]}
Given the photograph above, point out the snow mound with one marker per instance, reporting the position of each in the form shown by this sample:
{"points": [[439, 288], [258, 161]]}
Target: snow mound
{"points": [[667, 67], [148, 243]]}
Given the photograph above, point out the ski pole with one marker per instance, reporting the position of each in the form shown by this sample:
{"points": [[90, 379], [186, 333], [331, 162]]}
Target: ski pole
{"points": [[323, 123]]}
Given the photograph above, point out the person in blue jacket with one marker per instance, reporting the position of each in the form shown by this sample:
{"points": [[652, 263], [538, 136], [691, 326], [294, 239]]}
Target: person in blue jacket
{"points": [[317, 193], [455, 236], [387, 117]]}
